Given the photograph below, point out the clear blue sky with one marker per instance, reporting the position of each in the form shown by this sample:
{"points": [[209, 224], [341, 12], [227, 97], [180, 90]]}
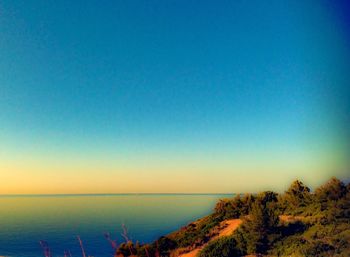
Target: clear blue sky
{"points": [[153, 93]]}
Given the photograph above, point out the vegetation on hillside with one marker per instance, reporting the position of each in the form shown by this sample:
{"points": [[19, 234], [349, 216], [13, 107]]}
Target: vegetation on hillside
{"points": [[296, 223]]}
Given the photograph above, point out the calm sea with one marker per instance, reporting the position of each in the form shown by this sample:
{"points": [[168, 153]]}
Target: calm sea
{"points": [[24, 220]]}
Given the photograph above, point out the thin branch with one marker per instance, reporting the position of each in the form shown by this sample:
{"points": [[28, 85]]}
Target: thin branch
{"points": [[81, 246], [111, 241], [46, 249], [125, 235]]}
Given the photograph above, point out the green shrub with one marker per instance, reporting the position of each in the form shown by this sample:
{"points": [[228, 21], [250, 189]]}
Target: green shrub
{"points": [[222, 247], [196, 232], [234, 208], [297, 245], [229, 208], [296, 198]]}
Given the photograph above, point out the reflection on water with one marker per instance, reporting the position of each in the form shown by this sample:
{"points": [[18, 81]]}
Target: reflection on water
{"points": [[58, 219]]}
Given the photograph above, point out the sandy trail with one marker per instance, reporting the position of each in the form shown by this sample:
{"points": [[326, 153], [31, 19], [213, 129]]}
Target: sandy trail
{"points": [[229, 226], [192, 253], [290, 218]]}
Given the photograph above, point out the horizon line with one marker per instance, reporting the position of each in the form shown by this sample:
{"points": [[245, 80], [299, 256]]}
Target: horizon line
{"points": [[108, 194]]}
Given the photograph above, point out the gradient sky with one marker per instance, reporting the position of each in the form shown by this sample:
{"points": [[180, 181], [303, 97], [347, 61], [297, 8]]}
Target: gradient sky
{"points": [[172, 96]]}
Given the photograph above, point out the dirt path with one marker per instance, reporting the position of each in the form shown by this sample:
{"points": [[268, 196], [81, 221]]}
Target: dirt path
{"points": [[192, 253], [229, 226], [232, 225], [290, 218]]}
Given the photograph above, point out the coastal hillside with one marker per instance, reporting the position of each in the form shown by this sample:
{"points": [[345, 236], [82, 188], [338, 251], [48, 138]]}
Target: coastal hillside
{"points": [[296, 223]]}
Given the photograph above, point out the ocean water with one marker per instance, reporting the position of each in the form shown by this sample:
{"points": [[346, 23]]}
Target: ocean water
{"points": [[25, 220]]}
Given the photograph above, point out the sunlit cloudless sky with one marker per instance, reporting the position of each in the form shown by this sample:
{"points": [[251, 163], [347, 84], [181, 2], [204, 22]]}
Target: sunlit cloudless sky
{"points": [[172, 96]]}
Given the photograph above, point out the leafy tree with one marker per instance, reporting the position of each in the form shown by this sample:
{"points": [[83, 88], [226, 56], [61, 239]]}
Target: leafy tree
{"points": [[229, 208], [297, 195], [254, 234], [247, 203], [332, 190], [267, 197]]}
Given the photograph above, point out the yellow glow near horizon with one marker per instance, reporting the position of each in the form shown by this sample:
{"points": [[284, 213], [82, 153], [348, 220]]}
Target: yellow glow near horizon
{"points": [[156, 175]]}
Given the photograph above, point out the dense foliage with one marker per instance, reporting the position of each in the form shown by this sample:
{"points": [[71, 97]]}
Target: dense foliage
{"points": [[222, 247], [296, 223]]}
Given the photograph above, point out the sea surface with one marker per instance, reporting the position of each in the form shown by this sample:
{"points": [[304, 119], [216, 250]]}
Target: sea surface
{"points": [[59, 219]]}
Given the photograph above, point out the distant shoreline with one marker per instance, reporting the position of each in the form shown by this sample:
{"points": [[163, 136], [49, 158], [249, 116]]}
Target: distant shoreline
{"points": [[116, 194]]}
